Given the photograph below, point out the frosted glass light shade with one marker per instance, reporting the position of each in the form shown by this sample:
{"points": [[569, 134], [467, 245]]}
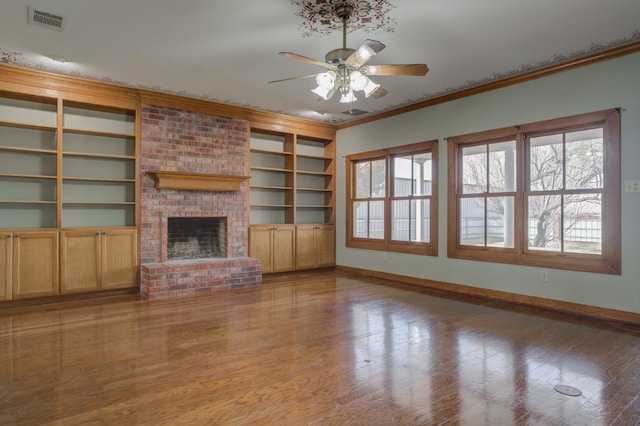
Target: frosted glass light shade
{"points": [[358, 81], [323, 92], [326, 79], [348, 97]]}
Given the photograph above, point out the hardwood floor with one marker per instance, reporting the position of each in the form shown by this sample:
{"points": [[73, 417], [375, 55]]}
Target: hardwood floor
{"points": [[314, 349]]}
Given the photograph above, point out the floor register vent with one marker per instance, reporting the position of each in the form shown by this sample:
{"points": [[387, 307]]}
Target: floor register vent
{"points": [[46, 19]]}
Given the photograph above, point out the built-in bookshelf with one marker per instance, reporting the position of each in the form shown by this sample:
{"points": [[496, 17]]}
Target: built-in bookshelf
{"points": [[98, 167], [65, 164], [272, 178], [292, 201], [314, 181], [292, 179], [28, 162]]}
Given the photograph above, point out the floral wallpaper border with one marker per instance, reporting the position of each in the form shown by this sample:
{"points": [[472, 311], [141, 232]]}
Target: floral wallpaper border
{"points": [[17, 59]]}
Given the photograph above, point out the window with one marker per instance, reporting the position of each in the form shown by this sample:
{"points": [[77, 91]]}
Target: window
{"points": [[392, 199], [542, 194]]}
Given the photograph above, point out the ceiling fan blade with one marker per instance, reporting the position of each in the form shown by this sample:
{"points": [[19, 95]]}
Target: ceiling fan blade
{"points": [[305, 59], [379, 93], [293, 78], [366, 51], [396, 69]]}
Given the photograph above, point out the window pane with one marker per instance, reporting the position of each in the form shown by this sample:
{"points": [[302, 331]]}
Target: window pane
{"points": [[412, 175], [423, 173], [472, 221], [421, 220], [585, 159], [583, 223], [402, 176], [474, 169], [361, 219], [500, 219], [545, 163], [401, 215], [502, 167], [544, 220], [378, 178], [411, 220], [363, 176], [376, 220]]}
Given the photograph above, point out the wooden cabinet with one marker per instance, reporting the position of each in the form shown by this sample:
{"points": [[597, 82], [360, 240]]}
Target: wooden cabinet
{"points": [[292, 200], [119, 268], [98, 259], [315, 246], [274, 245], [6, 263], [68, 176], [34, 264]]}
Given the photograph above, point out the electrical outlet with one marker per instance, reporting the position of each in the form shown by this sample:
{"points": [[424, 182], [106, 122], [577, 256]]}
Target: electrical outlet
{"points": [[544, 276], [632, 186], [385, 258]]}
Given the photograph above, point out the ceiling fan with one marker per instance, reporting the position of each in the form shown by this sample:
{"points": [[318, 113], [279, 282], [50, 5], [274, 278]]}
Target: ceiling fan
{"points": [[345, 69]]}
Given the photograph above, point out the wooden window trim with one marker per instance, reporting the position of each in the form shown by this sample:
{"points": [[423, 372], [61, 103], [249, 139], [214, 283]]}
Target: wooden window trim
{"points": [[387, 244], [609, 261]]}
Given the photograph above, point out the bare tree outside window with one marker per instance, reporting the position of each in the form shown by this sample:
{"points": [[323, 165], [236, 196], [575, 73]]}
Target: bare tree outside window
{"points": [[544, 194], [566, 180]]}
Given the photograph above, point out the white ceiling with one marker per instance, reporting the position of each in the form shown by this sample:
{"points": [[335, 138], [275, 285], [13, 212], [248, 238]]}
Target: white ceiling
{"points": [[227, 51]]}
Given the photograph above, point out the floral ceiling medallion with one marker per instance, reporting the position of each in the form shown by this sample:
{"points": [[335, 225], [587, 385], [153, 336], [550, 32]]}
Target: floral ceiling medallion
{"points": [[320, 17]]}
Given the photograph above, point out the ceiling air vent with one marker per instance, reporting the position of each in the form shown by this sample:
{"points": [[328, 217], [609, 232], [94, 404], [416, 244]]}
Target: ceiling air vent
{"points": [[355, 112], [46, 19]]}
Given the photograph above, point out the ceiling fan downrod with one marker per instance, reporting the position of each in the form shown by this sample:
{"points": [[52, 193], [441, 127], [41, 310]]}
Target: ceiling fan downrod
{"points": [[344, 12], [338, 56]]}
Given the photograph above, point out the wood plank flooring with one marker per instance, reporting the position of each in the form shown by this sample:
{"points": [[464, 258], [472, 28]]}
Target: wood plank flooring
{"points": [[314, 349]]}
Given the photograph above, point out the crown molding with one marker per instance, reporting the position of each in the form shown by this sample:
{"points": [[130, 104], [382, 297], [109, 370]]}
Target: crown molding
{"points": [[605, 55]]}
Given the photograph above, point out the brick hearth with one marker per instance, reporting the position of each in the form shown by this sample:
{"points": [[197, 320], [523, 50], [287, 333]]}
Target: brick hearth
{"points": [[192, 142]]}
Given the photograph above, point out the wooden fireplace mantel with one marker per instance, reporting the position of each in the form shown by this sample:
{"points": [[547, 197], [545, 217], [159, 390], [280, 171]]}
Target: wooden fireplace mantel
{"points": [[196, 181]]}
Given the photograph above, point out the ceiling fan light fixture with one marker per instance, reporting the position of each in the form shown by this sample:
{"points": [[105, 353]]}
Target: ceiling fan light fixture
{"points": [[348, 97], [370, 88], [323, 92], [357, 80], [326, 79]]}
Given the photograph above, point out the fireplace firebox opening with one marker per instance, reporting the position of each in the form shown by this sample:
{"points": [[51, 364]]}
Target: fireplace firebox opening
{"points": [[196, 238]]}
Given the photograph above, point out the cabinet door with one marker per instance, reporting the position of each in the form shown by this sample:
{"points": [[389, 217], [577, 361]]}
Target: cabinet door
{"points": [[283, 248], [260, 246], [35, 264], [305, 246], [5, 266], [325, 246], [80, 261], [119, 259]]}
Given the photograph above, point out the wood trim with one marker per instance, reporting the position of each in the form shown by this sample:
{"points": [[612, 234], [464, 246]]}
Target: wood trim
{"points": [[45, 84], [608, 262], [626, 49], [538, 302], [387, 244], [196, 181], [39, 83], [259, 121]]}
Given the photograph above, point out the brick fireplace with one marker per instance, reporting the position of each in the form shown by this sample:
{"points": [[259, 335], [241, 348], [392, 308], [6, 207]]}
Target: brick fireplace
{"points": [[193, 143]]}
